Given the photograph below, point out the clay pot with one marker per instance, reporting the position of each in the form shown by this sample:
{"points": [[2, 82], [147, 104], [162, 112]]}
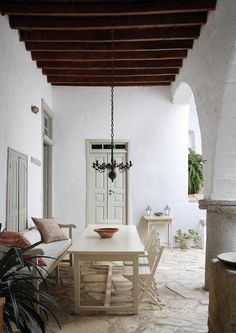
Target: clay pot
{"points": [[185, 243]]}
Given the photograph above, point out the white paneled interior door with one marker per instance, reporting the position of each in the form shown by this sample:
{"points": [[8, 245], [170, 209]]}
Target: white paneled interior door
{"points": [[106, 200], [17, 183]]}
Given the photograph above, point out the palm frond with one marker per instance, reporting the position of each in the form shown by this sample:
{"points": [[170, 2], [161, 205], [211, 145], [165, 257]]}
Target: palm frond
{"points": [[22, 298]]}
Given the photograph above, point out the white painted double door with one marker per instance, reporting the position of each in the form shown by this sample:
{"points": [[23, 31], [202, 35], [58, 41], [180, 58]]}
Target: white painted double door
{"points": [[106, 199]]}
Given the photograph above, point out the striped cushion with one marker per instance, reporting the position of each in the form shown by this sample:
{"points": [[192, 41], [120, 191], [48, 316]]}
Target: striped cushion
{"points": [[15, 239]]}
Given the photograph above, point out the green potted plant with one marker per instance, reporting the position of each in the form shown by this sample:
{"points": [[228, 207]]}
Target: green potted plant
{"points": [[22, 303], [195, 172], [185, 238], [194, 235]]}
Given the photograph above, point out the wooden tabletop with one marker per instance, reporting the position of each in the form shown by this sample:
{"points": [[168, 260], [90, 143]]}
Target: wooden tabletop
{"points": [[154, 217]]}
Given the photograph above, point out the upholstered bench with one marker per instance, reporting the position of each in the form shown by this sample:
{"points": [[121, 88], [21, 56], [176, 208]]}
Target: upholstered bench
{"points": [[49, 247], [56, 249]]}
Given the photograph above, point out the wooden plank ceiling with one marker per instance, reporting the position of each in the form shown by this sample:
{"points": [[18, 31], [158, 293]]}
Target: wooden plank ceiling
{"points": [[71, 41]]}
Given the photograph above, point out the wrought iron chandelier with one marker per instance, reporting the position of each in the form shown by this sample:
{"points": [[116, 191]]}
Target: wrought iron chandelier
{"points": [[112, 166]]}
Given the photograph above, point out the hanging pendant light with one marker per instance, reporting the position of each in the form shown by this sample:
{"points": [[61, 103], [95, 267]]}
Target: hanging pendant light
{"points": [[111, 167]]}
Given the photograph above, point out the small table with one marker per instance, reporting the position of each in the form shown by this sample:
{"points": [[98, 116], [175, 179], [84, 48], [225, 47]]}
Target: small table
{"points": [[163, 219]]}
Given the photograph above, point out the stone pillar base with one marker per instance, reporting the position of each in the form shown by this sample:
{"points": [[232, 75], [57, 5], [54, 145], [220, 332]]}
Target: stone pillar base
{"points": [[221, 229], [222, 305]]}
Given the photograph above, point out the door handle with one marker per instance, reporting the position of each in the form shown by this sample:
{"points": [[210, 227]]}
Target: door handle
{"points": [[111, 191]]}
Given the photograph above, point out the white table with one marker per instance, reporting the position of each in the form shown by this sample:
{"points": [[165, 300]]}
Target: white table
{"points": [[163, 219], [125, 245]]}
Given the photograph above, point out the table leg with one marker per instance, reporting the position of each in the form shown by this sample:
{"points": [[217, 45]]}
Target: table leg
{"points": [[170, 226], [168, 234], [77, 283], [136, 283]]}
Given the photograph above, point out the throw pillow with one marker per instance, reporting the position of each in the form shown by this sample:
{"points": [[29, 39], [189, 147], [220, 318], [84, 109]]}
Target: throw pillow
{"points": [[15, 239], [49, 230]]}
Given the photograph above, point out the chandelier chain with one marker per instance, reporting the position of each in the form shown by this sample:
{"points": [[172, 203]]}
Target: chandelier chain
{"points": [[113, 165], [112, 116], [112, 89]]}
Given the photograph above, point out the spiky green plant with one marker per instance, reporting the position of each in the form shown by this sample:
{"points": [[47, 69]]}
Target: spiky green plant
{"points": [[22, 303], [195, 172], [180, 235], [191, 234], [194, 235]]}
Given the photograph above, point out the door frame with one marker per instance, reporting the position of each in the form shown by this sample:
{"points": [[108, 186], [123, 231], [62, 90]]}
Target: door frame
{"points": [[50, 143], [128, 179], [9, 150]]}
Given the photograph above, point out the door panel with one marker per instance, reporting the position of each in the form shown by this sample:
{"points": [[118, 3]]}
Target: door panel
{"points": [[117, 192], [22, 193], [97, 193], [17, 184], [12, 192]]}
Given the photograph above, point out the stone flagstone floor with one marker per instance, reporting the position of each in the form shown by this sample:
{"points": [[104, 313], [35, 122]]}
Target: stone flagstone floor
{"points": [[180, 277]]}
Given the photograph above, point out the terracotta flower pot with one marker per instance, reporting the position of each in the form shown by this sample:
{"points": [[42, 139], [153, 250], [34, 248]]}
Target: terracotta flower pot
{"points": [[185, 243]]}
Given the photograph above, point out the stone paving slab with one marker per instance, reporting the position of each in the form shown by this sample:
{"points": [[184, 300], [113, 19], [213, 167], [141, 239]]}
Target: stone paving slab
{"points": [[180, 277]]}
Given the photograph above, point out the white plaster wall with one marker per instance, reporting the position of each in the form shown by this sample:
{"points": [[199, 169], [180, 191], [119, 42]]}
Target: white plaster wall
{"points": [[158, 133], [21, 85], [225, 168], [194, 126], [206, 70]]}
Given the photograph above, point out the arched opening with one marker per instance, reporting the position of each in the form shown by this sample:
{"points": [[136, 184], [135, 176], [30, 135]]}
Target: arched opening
{"points": [[183, 95]]}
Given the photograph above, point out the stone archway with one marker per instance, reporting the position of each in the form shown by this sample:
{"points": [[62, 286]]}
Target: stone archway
{"points": [[210, 71], [182, 94]]}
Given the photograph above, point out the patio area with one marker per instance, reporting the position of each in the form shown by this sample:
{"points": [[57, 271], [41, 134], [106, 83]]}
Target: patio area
{"points": [[180, 277]]}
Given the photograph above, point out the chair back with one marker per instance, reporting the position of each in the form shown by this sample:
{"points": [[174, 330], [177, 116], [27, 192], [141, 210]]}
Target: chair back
{"points": [[149, 239], [154, 251]]}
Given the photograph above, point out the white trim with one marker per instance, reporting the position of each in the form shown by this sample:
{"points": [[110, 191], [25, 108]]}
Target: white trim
{"points": [[49, 142]]}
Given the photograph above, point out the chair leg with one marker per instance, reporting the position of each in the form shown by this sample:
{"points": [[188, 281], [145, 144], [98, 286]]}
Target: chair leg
{"points": [[149, 290], [71, 260]]}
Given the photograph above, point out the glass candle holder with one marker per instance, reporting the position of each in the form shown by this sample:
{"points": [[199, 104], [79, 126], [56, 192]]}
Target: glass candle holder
{"points": [[148, 211]]}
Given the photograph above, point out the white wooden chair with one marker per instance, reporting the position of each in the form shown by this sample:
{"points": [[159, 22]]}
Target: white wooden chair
{"points": [[147, 284], [152, 240]]}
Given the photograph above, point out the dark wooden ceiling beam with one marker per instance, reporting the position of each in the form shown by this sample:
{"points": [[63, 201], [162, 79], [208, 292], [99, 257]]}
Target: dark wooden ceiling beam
{"points": [[104, 8], [170, 63], [100, 23], [107, 46], [123, 84], [108, 80], [153, 34], [101, 56], [72, 43], [104, 72]]}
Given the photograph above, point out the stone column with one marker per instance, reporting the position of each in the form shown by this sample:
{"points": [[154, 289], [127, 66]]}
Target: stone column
{"points": [[222, 295], [221, 229]]}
